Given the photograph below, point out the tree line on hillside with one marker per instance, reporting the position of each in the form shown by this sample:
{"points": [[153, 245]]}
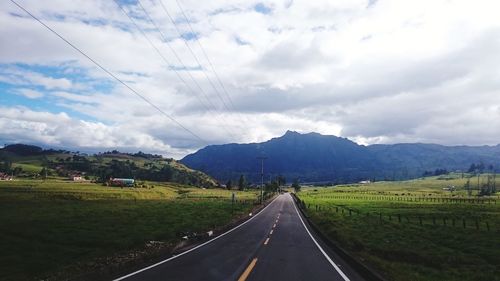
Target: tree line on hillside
{"points": [[161, 171], [271, 186], [100, 167], [474, 168]]}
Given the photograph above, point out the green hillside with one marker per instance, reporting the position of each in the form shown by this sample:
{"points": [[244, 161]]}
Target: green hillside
{"points": [[26, 161]]}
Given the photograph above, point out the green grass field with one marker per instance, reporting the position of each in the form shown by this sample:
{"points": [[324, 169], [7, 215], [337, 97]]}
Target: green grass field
{"points": [[57, 226], [412, 230]]}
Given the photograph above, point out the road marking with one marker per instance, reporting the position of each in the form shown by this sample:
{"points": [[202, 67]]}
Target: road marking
{"points": [[271, 233], [276, 221], [197, 247], [274, 225], [267, 241], [319, 247], [247, 271]]}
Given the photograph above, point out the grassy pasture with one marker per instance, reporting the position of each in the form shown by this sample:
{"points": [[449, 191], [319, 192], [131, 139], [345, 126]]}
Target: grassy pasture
{"points": [[412, 230], [59, 226]]}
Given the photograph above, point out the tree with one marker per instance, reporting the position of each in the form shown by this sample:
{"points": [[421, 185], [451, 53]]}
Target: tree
{"points": [[229, 184], [281, 180], [480, 167], [43, 173], [242, 183], [439, 172], [6, 166], [472, 168], [296, 186], [468, 188], [271, 186]]}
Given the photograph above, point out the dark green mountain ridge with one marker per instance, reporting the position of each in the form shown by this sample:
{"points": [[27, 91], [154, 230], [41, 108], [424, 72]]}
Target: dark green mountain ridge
{"points": [[313, 157]]}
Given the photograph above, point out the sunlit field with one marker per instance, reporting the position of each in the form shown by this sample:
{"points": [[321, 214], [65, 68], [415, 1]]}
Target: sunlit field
{"points": [[413, 230], [60, 229]]}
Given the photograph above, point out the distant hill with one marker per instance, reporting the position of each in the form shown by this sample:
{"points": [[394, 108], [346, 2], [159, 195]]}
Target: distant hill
{"points": [[28, 161], [23, 149], [314, 157]]}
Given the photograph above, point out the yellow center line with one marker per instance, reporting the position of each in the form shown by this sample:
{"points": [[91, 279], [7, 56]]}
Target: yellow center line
{"points": [[267, 241], [247, 271]]}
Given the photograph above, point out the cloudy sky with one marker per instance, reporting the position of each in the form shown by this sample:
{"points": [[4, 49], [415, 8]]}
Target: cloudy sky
{"points": [[224, 71]]}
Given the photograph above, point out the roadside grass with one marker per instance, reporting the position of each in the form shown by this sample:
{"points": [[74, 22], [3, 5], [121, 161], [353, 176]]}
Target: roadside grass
{"points": [[411, 240], [53, 226]]}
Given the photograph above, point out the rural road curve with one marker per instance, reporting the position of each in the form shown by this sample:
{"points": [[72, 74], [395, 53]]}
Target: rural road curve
{"points": [[274, 245]]}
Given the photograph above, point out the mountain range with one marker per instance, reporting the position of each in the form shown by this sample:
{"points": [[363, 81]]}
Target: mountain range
{"points": [[313, 157]]}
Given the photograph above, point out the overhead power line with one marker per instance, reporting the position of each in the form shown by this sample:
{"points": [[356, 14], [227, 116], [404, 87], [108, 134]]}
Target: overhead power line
{"points": [[110, 73], [194, 56], [207, 108], [212, 67], [205, 54], [164, 39]]}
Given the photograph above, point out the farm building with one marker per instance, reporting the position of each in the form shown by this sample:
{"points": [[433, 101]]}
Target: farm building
{"points": [[5, 177], [121, 182], [77, 178]]}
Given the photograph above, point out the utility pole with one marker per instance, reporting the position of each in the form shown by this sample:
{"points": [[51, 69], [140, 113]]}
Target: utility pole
{"points": [[494, 190], [478, 188], [262, 158]]}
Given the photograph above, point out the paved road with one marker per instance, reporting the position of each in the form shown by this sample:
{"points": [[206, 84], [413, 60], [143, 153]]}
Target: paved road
{"points": [[274, 245]]}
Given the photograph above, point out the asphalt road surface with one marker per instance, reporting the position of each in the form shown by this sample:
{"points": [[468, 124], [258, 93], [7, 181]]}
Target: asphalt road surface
{"points": [[274, 245]]}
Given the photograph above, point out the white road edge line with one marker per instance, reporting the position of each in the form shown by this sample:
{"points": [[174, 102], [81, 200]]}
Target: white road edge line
{"points": [[197, 247], [319, 247]]}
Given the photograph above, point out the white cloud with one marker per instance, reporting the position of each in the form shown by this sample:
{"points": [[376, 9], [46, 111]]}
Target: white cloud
{"points": [[31, 94], [60, 130], [376, 71]]}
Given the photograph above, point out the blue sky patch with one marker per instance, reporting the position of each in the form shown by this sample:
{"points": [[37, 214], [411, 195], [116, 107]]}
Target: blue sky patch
{"points": [[263, 9], [189, 36], [16, 78], [241, 41]]}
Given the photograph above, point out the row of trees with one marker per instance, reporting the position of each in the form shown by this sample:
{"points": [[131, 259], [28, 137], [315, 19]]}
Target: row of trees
{"points": [[480, 168], [242, 183], [437, 172], [473, 168], [485, 188], [271, 186]]}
